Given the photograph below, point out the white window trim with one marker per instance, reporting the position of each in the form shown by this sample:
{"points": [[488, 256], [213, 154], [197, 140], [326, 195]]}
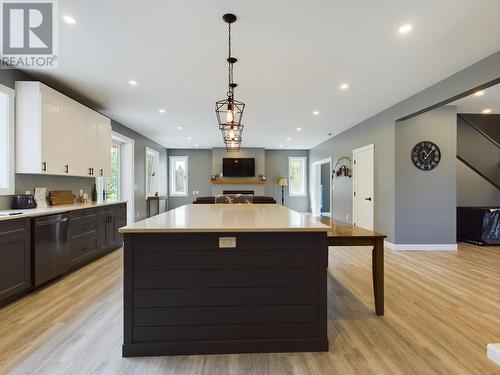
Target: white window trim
{"points": [[172, 175], [10, 189], [304, 176], [120, 169]]}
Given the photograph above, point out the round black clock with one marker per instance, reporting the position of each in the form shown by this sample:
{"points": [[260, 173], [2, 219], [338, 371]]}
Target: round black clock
{"points": [[426, 155]]}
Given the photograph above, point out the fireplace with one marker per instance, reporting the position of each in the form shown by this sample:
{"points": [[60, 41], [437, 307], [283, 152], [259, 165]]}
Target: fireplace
{"points": [[246, 192]]}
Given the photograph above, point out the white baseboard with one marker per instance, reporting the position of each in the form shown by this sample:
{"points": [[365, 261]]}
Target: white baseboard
{"points": [[421, 247], [493, 353]]}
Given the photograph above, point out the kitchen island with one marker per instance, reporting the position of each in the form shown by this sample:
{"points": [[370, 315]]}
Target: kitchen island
{"points": [[207, 279]]}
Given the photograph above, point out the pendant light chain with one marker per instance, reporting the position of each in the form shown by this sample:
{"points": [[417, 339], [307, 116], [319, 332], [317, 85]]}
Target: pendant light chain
{"points": [[230, 92]]}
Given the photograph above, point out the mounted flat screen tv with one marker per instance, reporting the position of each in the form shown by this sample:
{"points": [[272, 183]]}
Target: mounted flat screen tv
{"points": [[238, 167]]}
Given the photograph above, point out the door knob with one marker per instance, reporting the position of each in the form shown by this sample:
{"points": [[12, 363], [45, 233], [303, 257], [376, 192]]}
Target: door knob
{"points": [[368, 199]]}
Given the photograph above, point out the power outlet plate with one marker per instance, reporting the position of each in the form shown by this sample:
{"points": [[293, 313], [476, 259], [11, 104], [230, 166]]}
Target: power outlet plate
{"points": [[227, 242]]}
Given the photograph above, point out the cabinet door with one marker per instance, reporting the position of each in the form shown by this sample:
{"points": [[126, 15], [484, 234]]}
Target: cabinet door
{"points": [[73, 140], [92, 157], [103, 148], [52, 114], [111, 232], [15, 260]]}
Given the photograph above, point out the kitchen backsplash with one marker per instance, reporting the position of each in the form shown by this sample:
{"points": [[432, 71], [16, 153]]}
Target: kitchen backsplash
{"points": [[28, 182]]}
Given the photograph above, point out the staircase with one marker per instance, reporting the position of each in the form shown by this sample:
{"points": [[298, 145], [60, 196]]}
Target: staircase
{"points": [[478, 145]]}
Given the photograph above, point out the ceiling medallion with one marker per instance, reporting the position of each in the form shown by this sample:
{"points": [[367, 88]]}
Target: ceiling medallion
{"points": [[229, 111]]}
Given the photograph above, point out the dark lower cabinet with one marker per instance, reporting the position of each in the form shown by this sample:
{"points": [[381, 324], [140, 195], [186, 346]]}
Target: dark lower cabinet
{"points": [[111, 218], [30, 257], [83, 227], [15, 258]]}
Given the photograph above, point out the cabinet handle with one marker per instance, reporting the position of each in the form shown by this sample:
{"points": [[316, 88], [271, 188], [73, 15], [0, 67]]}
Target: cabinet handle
{"points": [[101, 172], [44, 166], [90, 171], [66, 168]]}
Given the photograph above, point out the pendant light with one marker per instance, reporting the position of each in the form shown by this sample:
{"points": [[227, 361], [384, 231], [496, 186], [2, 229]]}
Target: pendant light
{"points": [[229, 111]]}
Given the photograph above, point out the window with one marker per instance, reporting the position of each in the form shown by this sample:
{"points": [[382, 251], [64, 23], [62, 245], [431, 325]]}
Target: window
{"points": [[152, 171], [6, 140], [114, 181], [297, 176], [179, 176]]}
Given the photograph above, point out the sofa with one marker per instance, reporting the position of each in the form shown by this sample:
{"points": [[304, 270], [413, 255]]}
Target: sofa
{"points": [[257, 199], [478, 225]]}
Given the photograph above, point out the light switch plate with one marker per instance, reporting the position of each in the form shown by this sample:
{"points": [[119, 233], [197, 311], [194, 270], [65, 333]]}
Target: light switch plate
{"points": [[227, 242]]}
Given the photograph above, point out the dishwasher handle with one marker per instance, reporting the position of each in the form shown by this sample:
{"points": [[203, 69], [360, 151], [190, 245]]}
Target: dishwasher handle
{"points": [[52, 221]]}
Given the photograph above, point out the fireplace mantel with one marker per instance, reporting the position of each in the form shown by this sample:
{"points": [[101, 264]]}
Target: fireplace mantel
{"points": [[239, 181]]}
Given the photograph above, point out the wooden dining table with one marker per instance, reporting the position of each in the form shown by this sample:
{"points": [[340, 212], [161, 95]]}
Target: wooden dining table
{"points": [[344, 234]]}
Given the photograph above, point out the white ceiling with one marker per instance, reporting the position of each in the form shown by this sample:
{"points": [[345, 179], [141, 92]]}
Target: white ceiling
{"points": [[477, 104], [293, 55]]}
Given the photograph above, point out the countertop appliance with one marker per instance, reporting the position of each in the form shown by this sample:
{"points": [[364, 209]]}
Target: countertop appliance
{"points": [[50, 247], [23, 201]]}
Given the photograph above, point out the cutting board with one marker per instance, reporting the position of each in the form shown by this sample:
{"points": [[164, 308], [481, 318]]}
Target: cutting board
{"points": [[57, 198]]}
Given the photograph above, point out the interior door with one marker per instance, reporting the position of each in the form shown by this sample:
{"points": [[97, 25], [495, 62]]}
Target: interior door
{"points": [[52, 112], [363, 187]]}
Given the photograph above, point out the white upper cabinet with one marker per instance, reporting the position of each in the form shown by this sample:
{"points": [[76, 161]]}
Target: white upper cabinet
{"points": [[59, 136], [52, 134]]}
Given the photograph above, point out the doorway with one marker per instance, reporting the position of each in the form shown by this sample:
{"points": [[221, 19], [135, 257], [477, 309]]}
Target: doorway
{"points": [[122, 176], [325, 188], [363, 207], [321, 187]]}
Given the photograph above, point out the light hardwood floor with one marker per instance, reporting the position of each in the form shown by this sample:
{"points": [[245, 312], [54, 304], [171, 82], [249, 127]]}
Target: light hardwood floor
{"points": [[442, 308]]}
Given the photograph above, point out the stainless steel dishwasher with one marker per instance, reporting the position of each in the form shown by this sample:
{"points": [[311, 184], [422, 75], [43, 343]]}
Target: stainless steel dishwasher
{"points": [[50, 247]]}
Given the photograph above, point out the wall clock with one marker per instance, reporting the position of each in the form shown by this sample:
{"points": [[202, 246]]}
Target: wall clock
{"points": [[426, 155]]}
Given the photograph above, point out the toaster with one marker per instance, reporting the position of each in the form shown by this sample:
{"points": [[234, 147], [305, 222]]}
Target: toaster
{"points": [[23, 201]]}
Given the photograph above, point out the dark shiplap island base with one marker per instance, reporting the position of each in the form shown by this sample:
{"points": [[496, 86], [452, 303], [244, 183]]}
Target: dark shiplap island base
{"points": [[186, 295]]}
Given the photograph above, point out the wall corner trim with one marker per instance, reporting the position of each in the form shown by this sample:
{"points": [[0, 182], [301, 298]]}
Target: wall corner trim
{"points": [[421, 247]]}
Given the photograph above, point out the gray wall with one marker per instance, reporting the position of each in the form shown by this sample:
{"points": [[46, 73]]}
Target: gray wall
{"points": [[28, 182], [260, 168], [203, 163], [376, 131], [199, 172], [141, 143], [473, 190], [380, 130], [426, 200], [276, 167]]}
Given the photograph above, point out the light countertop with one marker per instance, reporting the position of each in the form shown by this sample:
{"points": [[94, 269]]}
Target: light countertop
{"points": [[34, 212], [228, 218]]}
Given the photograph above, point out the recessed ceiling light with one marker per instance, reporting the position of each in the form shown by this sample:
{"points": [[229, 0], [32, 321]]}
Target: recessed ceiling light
{"points": [[188, 138], [299, 129], [479, 93], [315, 113], [288, 139], [281, 145], [405, 29], [161, 110], [196, 145], [179, 127], [487, 110], [132, 82], [344, 86], [69, 19]]}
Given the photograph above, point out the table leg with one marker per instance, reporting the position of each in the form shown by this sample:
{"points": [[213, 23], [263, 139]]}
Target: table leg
{"points": [[378, 275]]}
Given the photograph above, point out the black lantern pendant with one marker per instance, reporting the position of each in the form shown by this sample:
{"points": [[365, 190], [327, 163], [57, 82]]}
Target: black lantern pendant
{"points": [[229, 111]]}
